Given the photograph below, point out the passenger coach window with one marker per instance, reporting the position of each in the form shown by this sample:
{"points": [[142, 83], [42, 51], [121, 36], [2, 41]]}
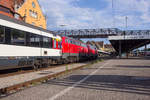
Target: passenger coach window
{"points": [[7, 35], [18, 37], [34, 40], [46, 42], [28, 39], [2, 35], [51, 42]]}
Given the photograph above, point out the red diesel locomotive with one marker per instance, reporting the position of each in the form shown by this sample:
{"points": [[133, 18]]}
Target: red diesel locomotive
{"points": [[75, 50]]}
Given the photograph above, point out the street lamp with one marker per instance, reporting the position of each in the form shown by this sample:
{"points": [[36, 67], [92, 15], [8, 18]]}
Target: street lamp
{"points": [[63, 25]]}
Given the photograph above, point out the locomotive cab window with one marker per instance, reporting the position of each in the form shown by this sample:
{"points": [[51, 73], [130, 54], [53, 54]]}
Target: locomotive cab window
{"points": [[51, 42], [59, 44], [66, 41], [2, 35]]}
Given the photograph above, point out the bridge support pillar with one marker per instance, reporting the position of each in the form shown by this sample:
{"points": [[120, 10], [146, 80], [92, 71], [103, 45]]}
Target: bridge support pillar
{"points": [[120, 52], [127, 54], [145, 50]]}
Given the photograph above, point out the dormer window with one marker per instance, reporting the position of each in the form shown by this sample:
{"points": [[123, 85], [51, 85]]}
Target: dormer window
{"points": [[33, 4]]}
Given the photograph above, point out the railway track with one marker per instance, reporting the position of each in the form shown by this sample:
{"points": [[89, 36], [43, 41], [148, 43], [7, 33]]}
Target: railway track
{"points": [[20, 86]]}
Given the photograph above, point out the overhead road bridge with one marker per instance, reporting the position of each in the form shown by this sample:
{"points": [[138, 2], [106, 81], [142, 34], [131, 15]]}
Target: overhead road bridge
{"points": [[90, 33], [99, 33]]}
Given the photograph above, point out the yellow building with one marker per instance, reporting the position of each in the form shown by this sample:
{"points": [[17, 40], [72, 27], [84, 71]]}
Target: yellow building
{"points": [[32, 13]]}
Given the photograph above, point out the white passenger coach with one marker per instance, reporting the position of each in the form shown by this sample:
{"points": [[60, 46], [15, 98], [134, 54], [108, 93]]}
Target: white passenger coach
{"points": [[22, 44]]}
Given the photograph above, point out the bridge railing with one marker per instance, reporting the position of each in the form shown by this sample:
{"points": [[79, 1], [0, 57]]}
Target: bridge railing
{"points": [[101, 32], [105, 31], [135, 32]]}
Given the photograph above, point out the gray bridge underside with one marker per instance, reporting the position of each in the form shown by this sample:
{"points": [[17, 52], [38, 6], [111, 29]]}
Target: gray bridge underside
{"points": [[126, 44]]}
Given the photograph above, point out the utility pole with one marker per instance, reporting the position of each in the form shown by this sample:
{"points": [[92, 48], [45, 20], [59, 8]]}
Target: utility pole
{"points": [[113, 14], [120, 51], [126, 26], [126, 20], [145, 50]]}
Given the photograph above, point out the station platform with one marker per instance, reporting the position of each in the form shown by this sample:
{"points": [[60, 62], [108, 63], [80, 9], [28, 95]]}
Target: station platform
{"points": [[26, 77]]}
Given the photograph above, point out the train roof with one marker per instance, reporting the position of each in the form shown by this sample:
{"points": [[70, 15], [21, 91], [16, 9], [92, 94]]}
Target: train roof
{"points": [[23, 23]]}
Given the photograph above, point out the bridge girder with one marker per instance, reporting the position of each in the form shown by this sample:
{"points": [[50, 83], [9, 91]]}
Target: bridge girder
{"points": [[100, 33]]}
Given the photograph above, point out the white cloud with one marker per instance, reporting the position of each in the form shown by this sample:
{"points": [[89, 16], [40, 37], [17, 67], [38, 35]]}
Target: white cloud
{"points": [[67, 13], [138, 12]]}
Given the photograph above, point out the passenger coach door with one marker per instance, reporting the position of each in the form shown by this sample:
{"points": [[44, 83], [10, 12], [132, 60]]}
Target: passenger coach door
{"points": [[54, 44]]}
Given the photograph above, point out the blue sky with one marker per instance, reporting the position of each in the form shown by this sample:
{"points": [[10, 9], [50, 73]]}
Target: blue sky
{"points": [[79, 14], [87, 14], [97, 5]]}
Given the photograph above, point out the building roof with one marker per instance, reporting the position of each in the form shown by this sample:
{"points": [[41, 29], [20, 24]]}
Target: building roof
{"points": [[7, 4], [8, 8]]}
